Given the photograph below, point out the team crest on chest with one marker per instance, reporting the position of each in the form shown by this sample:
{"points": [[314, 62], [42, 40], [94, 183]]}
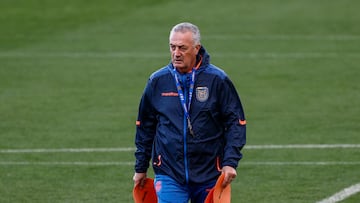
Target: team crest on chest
{"points": [[202, 94]]}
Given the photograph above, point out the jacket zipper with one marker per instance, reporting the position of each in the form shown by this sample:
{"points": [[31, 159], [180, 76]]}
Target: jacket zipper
{"points": [[185, 133]]}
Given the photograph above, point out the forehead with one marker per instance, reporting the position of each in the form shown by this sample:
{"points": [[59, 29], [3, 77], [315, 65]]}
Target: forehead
{"points": [[181, 38]]}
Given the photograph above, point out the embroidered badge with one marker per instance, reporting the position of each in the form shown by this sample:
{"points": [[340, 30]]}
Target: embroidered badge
{"points": [[202, 94]]}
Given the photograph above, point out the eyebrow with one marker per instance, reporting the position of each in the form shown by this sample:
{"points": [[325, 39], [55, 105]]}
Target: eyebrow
{"points": [[180, 46]]}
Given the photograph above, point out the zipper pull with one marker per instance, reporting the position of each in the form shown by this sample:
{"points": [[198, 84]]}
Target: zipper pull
{"points": [[190, 127]]}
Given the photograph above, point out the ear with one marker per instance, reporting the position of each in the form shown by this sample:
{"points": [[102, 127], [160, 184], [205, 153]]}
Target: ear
{"points": [[197, 47]]}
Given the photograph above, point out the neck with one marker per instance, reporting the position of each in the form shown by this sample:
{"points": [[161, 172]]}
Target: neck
{"points": [[184, 70]]}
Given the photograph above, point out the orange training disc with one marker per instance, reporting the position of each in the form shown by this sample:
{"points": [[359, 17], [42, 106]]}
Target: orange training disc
{"points": [[145, 194]]}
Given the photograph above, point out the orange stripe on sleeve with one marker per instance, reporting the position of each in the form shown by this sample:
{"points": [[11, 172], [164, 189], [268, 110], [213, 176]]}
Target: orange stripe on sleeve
{"points": [[242, 122]]}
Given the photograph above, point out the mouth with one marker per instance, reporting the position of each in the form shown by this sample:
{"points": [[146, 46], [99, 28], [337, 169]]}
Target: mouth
{"points": [[177, 61]]}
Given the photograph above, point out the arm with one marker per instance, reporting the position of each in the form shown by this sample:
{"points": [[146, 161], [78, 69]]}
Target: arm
{"points": [[145, 132], [235, 124]]}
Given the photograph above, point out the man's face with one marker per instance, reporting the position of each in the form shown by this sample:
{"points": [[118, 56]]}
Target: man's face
{"points": [[183, 51]]}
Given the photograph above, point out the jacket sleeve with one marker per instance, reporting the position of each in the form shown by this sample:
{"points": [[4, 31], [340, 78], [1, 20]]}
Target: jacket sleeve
{"points": [[145, 131], [234, 122]]}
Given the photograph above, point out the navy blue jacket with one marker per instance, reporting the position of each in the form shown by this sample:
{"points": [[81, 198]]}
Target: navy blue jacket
{"points": [[217, 119]]}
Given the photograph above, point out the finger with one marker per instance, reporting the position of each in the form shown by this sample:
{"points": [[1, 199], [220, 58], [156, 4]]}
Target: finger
{"points": [[138, 180], [142, 182], [226, 182], [228, 179]]}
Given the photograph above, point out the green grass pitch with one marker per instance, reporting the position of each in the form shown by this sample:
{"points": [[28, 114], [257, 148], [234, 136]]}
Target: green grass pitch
{"points": [[72, 73]]}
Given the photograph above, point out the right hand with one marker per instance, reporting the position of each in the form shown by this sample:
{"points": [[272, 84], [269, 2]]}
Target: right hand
{"points": [[139, 178]]}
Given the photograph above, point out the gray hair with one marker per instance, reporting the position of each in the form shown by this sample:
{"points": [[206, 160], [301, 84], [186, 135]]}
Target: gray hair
{"points": [[188, 27]]}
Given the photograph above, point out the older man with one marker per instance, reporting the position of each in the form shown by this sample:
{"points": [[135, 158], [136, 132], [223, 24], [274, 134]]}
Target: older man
{"points": [[191, 123]]}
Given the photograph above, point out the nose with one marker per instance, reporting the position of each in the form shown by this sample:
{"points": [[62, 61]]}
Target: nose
{"points": [[177, 52]]}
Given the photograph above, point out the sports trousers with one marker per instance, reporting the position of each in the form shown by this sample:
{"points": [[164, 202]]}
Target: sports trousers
{"points": [[170, 191]]}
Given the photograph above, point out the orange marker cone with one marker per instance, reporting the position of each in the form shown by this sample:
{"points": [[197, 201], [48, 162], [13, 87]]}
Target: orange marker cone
{"points": [[145, 194], [219, 194]]}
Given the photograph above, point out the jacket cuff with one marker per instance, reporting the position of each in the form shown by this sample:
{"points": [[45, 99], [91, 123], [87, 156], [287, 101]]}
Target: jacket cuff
{"points": [[233, 164]]}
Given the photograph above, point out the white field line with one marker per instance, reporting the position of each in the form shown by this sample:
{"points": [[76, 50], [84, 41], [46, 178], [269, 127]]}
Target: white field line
{"points": [[284, 37], [343, 194], [80, 55], [84, 163], [303, 146], [67, 163], [132, 149], [219, 36], [71, 54], [303, 163], [67, 150]]}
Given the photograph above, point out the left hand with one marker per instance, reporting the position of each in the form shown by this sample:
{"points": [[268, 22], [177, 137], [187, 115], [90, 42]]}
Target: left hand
{"points": [[230, 175]]}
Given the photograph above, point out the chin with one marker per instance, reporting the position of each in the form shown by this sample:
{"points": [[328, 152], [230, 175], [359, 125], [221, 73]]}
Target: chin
{"points": [[182, 69], [178, 66]]}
